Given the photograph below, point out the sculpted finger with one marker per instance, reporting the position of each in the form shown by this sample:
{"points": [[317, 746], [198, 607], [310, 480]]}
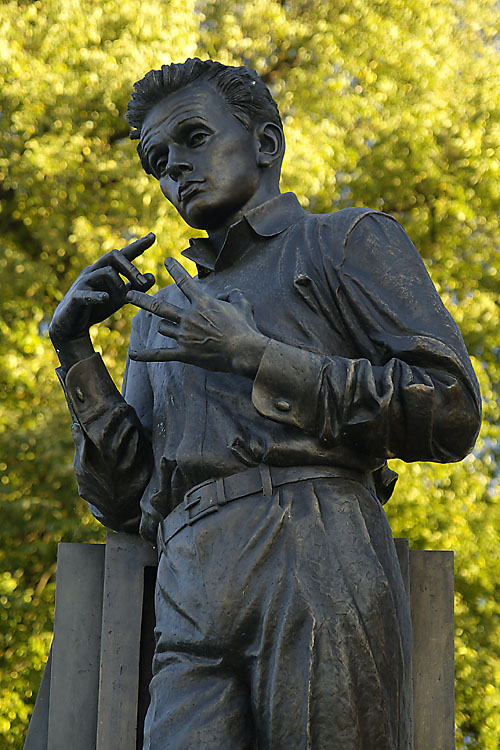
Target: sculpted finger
{"points": [[154, 305], [136, 248], [121, 259], [120, 263], [154, 355], [105, 279], [166, 328], [127, 269], [91, 298], [181, 277], [150, 281]]}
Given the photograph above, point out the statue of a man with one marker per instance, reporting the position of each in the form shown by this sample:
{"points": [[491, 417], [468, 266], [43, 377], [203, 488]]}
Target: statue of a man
{"points": [[260, 403]]}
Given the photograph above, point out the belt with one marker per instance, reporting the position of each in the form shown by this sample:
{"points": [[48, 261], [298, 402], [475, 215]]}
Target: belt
{"points": [[207, 497]]}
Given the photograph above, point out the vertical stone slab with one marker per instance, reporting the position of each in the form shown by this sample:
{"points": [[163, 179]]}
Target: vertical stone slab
{"points": [[74, 676], [36, 737], [432, 612], [126, 558], [147, 648]]}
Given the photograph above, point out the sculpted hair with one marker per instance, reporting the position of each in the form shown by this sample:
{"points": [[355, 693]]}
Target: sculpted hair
{"points": [[246, 96]]}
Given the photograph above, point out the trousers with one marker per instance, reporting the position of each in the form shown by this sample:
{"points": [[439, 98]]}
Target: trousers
{"points": [[282, 623]]}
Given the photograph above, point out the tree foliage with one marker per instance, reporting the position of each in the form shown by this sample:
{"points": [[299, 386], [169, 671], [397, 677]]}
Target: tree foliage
{"points": [[393, 104]]}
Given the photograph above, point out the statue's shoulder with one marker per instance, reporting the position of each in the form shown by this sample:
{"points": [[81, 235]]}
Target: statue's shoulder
{"points": [[343, 221], [332, 231]]}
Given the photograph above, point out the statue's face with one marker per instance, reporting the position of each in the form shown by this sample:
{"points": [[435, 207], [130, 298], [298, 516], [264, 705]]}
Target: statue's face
{"points": [[205, 160]]}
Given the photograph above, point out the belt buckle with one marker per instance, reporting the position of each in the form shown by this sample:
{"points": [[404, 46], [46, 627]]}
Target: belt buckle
{"points": [[196, 496]]}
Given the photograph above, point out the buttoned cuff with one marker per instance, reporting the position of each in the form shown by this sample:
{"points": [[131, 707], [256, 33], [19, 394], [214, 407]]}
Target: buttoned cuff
{"points": [[89, 389], [287, 385]]}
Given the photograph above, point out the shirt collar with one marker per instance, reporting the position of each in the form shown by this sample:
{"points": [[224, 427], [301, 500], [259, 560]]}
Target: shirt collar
{"points": [[267, 220]]}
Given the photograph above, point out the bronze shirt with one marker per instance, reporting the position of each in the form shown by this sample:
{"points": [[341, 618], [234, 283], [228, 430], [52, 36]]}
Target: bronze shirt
{"points": [[364, 364]]}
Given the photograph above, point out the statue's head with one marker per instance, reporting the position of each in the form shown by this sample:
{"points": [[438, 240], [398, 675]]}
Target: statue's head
{"points": [[245, 95], [233, 142]]}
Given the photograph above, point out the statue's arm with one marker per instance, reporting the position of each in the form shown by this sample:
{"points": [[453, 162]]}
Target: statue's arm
{"points": [[113, 453], [412, 392], [113, 456]]}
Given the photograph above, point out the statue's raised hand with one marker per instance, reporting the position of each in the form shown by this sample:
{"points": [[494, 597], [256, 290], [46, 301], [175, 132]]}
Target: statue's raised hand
{"points": [[97, 293], [213, 333]]}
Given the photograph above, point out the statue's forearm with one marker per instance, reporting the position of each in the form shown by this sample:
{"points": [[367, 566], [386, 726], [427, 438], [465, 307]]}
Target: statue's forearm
{"points": [[113, 454], [72, 351]]}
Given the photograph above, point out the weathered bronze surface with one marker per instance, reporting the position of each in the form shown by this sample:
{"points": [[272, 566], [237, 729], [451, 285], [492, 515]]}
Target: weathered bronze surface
{"points": [[260, 403]]}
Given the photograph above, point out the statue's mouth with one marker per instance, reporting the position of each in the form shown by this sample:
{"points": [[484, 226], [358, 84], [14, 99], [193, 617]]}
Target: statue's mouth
{"points": [[188, 190]]}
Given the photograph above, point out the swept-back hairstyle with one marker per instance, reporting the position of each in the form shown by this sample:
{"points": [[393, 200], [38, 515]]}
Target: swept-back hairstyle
{"points": [[245, 95]]}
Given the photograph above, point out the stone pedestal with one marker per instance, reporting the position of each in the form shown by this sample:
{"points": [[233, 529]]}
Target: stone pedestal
{"points": [[94, 691]]}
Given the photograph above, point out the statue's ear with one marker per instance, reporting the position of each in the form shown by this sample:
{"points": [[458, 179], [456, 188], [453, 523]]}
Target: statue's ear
{"points": [[271, 144]]}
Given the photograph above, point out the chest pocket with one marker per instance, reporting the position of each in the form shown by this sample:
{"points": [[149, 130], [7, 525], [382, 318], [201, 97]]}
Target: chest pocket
{"points": [[324, 324]]}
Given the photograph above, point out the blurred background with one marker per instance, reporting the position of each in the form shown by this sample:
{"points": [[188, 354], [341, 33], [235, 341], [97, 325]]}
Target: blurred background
{"points": [[392, 104]]}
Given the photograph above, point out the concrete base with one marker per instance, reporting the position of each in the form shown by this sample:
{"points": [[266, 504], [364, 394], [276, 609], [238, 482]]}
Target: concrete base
{"points": [[94, 691]]}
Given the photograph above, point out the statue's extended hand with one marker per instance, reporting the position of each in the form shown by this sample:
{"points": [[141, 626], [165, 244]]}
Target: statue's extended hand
{"points": [[213, 333], [98, 292]]}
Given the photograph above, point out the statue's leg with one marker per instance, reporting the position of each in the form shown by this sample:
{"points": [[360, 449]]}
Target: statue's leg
{"points": [[289, 610], [196, 701], [332, 669]]}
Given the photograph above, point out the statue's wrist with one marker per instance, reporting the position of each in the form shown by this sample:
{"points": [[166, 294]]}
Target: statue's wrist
{"points": [[71, 351], [248, 362]]}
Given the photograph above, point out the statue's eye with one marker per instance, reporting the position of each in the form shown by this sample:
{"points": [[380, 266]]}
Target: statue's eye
{"points": [[197, 138], [161, 166]]}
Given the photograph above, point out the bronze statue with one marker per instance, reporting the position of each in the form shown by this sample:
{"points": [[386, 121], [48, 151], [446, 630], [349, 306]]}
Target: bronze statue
{"points": [[260, 403]]}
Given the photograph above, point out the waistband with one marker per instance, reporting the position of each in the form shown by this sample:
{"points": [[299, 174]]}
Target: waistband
{"points": [[208, 497]]}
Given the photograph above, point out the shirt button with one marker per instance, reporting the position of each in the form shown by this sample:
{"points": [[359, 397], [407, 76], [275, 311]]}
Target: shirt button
{"points": [[79, 394], [283, 405]]}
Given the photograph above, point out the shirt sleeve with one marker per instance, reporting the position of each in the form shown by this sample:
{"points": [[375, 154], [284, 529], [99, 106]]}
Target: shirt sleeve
{"points": [[113, 455], [412, 392]]}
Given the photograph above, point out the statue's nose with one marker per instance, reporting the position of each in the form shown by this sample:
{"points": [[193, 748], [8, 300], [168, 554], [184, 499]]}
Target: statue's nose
{"points": [[177, 165]]}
